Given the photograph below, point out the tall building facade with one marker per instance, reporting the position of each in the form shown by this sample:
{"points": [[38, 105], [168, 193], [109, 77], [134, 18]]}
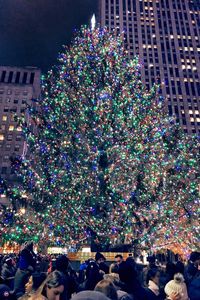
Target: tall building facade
{"points": [[18, 86], [166, 36]]}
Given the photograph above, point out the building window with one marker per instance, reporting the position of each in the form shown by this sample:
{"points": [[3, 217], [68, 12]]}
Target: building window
{"points": [[4, 118], [14, 109], [16, 101], [3, 127], [32, 78], [4, 170], [18, 138], [9, 92], [8, 100], [9, 137], [17, 148], [11, 128], [6, 109], [17, 77], [1, 137], [24, 78], [8, 147], [17, 92], [10, 76], [3, 75]]}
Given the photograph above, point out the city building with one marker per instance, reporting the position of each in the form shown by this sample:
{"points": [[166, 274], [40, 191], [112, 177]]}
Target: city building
{"points": [[166, 36], [17, 87]]}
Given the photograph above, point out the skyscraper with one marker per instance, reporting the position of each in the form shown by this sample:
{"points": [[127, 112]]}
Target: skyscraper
{"points": [[17, 87], [166, 36]]}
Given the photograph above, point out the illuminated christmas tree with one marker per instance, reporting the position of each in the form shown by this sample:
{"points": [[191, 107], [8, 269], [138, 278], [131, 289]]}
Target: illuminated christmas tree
{"points": [[105, 162]]}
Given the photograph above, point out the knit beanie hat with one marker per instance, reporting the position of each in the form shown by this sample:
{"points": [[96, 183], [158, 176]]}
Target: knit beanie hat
{"points": [[5, 293], [99, 255], [89, 295], [177, 285]]}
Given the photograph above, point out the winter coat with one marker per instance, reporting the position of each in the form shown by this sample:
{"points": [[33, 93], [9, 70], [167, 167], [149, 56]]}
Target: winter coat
{"points": [[27, 260], [194, 289], [7, 271], [123, 295], [153, 287], [69, 286], [21, 279]]}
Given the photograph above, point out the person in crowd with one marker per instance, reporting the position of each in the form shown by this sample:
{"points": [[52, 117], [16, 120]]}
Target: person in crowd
{"points": [[44, 264], [8, 271], [5, 293], [170, 271], [82, 270], [119, 259], [27, 262], [70, 284], [194, 286], [179, 267], [100, 260], [35, 280], [177, 286], [153, 276], [113, 268], [114, 278], [51, 289], [132, 286], [89, 295], [192, 267], [152, 262], [106, 287], [93, 276]]}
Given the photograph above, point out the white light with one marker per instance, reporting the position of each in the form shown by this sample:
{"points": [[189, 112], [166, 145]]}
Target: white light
{"points": [[86, 249], [93, 22], [22, 211]]}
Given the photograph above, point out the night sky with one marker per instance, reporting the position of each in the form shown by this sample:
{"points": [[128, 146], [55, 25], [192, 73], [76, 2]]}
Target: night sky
{"points": [[32, 32]]}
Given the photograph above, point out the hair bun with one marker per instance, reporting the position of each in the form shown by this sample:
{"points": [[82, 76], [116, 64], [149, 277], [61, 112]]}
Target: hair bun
{"points": [[178, 278]]}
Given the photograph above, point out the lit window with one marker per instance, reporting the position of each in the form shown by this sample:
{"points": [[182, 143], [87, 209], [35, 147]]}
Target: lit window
{"points": [[19, 129], [192, 119], [3, 127], [1, 137], [9, 137], [4, 118], [11, 128], [17, 92]]}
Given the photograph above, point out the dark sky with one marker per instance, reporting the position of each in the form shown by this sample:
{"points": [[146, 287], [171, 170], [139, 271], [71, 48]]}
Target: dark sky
{"points": [[32, 32]]}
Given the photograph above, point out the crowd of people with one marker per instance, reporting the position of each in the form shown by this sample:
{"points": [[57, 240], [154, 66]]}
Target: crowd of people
{"points": [[38, 277]]}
